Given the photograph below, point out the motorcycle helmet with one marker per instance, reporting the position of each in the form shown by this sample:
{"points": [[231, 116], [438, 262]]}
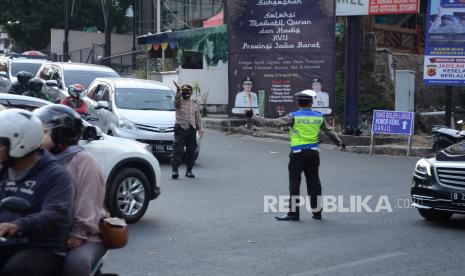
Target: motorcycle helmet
{"points": [[76, 90], [23, 77], [65, 124], [22, 130], [36, 84]]}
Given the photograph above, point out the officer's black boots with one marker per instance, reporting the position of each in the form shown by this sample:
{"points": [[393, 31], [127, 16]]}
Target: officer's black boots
{"points": [[175, 173], [190, 174], [288, 218]]}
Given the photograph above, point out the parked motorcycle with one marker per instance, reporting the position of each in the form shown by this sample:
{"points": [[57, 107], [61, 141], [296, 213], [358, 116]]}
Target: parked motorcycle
{"points": [[443, 136]]}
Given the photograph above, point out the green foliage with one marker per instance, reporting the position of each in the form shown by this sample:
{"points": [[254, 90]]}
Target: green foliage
{"points": [[140, 74], [28, 22], [212, 42]]}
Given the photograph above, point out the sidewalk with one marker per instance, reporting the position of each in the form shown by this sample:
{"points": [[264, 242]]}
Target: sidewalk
{"points": [[385, 145]]}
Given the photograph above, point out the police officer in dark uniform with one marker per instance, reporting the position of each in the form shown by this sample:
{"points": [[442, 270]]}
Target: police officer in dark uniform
{"points": [[304, 156], [188, 123]]}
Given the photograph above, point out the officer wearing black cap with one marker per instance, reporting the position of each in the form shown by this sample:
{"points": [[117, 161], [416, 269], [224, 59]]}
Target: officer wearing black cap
{"points": [[304, 156], [187, 125]]}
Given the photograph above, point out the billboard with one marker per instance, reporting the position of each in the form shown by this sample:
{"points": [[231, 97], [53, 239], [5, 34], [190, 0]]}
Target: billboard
{"points": [[445, 43], [373, 7], [277, 48]]}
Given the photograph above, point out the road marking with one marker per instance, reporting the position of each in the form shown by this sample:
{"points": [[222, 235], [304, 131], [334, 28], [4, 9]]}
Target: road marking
{"points": [[350, 264]]}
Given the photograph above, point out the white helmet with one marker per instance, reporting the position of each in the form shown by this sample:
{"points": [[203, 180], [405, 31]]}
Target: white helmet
{"points": [[306, 94], [22, 129]]}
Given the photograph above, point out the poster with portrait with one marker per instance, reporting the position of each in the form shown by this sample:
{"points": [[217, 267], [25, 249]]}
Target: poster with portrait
{"points": [[445, 44], [278, 48]]}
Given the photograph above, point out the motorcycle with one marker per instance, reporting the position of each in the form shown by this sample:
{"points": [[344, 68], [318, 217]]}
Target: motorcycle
{"points": [[443, 136], [21, 206], [15, 205]]}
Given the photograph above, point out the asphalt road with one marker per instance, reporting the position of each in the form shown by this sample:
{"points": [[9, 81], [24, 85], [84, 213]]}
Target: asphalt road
{"points": [[215, 224]]}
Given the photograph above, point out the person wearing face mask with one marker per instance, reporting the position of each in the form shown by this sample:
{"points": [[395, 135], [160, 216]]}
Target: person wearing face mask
{"points": [[187, 125], [75, 100]]}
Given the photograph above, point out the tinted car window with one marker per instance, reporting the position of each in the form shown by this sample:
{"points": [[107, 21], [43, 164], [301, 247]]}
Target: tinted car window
{"points": [[86, 77], [28, 67], [144, 99]]}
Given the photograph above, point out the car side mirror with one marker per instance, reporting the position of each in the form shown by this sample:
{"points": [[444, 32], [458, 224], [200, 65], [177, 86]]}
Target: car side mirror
{"points": [[103, 105], [91, 133], [52, 83], [16, 204]]}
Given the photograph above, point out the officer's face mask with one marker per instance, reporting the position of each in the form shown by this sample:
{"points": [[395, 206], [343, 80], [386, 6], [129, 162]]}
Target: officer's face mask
{"points": [[185, 95]]}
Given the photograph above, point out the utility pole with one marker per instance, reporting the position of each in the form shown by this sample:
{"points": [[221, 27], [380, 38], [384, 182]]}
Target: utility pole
{"points": [[134, 33], [352, 74], [448, 117], [107, 6], [65, 41]]}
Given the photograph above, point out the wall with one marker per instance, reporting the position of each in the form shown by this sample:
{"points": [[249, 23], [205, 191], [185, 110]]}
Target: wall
{"points": [[215, 81], [79, 40]]}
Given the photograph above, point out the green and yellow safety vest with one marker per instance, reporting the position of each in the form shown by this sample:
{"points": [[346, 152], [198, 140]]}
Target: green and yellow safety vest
{"points": [[304, 133]]}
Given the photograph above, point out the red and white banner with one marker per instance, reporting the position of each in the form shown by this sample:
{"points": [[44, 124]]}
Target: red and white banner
{"points": [[366, 7]]}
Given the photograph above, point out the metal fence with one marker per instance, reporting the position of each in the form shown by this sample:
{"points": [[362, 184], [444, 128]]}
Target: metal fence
{"points": [[87, 55]]}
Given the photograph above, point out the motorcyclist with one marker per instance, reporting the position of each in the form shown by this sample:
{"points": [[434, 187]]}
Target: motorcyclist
{"points": [[21, 84], [35, 89], [75, 100], [31, 173], [63, 129]]}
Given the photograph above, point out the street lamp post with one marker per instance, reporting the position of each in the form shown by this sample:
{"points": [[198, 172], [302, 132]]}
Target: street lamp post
{"points": [[65, 42]]}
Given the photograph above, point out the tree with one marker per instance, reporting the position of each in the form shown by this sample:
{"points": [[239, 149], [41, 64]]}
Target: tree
{"points": [[28, 22]]}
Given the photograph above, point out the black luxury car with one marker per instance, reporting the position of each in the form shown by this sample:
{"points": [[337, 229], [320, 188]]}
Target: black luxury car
{"points": [[438, 187]]}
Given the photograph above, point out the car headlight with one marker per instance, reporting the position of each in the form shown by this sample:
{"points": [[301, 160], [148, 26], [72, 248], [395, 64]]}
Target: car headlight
{"points": [[125, 123], [145, 146], [423, 167]]}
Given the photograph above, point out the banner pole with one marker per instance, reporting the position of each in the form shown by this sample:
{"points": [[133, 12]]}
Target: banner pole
{"points": [[372, 143], [409, 145]]}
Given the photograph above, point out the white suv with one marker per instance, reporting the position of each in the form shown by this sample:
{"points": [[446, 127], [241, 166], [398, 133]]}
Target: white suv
{"points": [[132, 172]]}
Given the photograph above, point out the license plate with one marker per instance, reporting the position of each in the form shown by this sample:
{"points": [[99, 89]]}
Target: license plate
{"points": [[162, 148], [458, 198]]}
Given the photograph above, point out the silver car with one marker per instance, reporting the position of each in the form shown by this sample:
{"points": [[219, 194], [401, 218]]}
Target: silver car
{"points": [[137, 109], [59, 75]]}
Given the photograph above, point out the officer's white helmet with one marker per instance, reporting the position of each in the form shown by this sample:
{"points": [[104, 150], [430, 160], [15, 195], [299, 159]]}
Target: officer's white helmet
{"points": [[305, 97], [22, 129], [306, 94]]}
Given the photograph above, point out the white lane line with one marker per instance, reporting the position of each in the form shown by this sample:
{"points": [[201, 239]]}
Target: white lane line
{"points": [[350, 264]]}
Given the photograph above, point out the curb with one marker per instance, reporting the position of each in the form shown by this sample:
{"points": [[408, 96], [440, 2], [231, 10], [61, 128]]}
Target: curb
{"points": [[389, 145]]}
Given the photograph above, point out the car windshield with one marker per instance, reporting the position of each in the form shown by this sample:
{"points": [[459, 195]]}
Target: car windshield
{"points": [[28, 67], [86, 77], [144, 99]]}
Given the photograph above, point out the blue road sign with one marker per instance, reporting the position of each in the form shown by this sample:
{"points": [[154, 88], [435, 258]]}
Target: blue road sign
{"points": [[393, 122]]}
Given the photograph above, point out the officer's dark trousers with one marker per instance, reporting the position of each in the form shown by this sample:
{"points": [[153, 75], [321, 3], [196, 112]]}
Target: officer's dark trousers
{"points": [[308, 162], [184, 138]]}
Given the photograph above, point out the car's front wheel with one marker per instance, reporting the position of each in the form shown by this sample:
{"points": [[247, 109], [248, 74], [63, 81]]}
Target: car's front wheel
{"points": [[435, 215], [129, 195]]}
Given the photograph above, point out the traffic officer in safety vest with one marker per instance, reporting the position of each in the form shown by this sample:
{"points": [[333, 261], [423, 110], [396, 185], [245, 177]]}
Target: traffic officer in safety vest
{"points": [[304, 156]]}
